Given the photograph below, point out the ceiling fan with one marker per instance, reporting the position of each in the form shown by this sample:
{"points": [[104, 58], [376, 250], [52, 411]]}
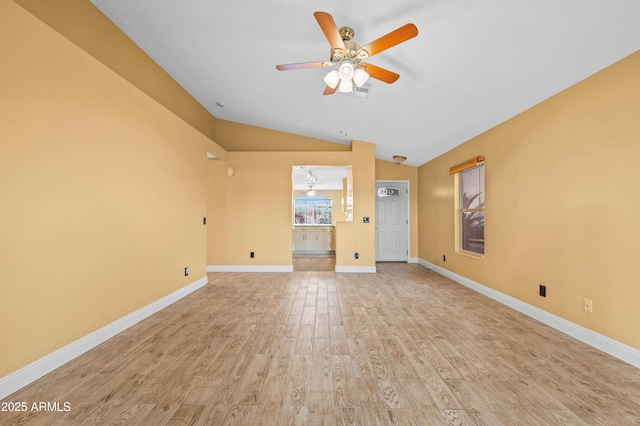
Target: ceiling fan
{"points": [[347, 56]]}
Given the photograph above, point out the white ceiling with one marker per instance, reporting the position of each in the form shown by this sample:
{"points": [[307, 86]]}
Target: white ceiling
{"points": [[328, 177], [473, 65]]}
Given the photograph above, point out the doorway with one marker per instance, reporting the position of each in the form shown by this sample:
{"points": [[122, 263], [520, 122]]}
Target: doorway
{"points": [[320, 198], [392, 221]]}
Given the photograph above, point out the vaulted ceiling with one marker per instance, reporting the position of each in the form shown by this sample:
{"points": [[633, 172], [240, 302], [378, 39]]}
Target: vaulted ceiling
{"points": [[473, 65]]}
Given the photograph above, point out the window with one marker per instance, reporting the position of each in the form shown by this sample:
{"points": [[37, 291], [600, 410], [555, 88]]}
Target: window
{"points": [[312, 211], [471, 210]]}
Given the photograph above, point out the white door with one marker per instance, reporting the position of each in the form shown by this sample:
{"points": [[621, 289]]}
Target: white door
{"points": [[392, 222]]}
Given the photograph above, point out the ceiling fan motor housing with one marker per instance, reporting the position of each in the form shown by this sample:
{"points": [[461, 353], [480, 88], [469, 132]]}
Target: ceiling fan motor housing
{"points": [[346, 33], [353, 53]]}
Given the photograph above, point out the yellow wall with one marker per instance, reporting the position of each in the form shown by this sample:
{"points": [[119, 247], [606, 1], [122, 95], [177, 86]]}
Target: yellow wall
{"points": [[386, 170], [562, 204], [216, 196], [254, 206], [102, 193], [358, 237], [83, 24]]}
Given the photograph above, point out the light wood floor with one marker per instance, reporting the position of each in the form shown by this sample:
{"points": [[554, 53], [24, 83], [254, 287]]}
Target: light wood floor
{"points": [[404, 346]]}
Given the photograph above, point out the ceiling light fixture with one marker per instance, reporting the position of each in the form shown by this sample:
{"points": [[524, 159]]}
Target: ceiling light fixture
{"points": [[399, 159], [346, 86], [312, 191], [332, 79], [346, 76], [348, 61], [346, 71], [360, 77]]}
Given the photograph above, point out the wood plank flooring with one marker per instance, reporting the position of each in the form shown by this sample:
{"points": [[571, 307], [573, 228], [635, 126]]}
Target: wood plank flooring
{"points": [[405, 346]]}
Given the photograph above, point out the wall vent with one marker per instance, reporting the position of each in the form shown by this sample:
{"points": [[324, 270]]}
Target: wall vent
{"points": [[362, 91]]}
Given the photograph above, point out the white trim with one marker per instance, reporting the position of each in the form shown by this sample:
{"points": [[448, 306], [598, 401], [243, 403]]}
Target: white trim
{"points": [[606, 344], [249, 268], [408, 182], [413, 260], [356, 269], [28, 374]]}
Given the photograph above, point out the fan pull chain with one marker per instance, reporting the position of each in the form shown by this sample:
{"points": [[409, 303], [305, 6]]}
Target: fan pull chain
{"points": [[345, 116]]}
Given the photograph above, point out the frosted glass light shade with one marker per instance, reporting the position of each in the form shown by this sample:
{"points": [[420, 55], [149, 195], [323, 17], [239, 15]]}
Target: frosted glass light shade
{"points": [[346, 86], [332, 79], [360, 77], [346, 71]]}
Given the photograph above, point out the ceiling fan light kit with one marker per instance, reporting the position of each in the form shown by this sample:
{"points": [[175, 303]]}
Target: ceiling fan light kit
{"points": [[345, 77], [332, 79], [346, 86], [346, 71], [347, 56], [360, 77]]}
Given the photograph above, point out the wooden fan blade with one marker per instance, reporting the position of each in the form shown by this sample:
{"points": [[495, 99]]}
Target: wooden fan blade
{"points": [[330, 30], [395, 37], [300, 66], [329, 91], [379, 73]]}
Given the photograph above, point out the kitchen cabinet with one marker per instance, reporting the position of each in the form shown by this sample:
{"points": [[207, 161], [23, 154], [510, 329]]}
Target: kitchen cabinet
{"points": [[313, 239]]}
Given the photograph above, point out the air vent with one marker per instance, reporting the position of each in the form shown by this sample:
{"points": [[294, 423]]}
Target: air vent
{"points": [[362, 91]]}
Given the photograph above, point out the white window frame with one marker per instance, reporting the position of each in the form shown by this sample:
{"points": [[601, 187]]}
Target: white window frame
{"points": [[312, 209]]}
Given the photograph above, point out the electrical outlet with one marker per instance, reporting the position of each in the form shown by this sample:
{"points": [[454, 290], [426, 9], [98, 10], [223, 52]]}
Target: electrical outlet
{"points": [[187, 270], [356, 255], [543, 290], [252, 254], [588, 305]]}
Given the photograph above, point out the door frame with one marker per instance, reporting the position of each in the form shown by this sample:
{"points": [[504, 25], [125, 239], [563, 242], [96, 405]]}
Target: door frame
{"points": [[392, 181]]}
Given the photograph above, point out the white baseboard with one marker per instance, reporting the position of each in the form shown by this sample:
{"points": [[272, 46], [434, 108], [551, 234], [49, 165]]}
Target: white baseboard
{"points": [[605, 344], [356, 269], [413, 260], [249, 268], [28, 374]]}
